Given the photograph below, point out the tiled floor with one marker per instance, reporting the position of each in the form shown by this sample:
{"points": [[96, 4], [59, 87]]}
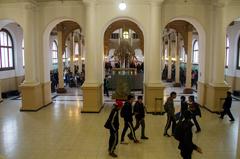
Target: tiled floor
{"points": [[60, 131]]}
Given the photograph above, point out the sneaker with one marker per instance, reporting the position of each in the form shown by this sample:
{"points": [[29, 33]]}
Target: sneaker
{"points": [[113, 154], [123, 142], [130, 137], [166, 134], [136, 141], [144, 137]]}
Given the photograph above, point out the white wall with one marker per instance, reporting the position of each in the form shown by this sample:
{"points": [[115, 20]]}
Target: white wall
{"points": [[17, 35]]}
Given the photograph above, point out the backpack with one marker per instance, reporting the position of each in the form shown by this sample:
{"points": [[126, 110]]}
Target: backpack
{"points": [[179, 130]]}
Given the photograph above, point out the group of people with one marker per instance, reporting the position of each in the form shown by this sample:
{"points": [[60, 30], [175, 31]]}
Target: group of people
{"points": [[181, 122], [127, 114]]}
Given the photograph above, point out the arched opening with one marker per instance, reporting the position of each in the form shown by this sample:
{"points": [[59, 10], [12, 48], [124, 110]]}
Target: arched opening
{"points": [[123, 59], [11, 58]]}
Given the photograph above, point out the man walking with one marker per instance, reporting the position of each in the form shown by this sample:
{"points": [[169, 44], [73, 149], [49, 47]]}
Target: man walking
{"points": [[127, 114], [170, 110], [226, 107], [139, 112]]}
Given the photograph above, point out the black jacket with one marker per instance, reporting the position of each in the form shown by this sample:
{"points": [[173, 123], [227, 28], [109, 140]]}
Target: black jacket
{"points": [[139, 110], [127, 112], [186, 145], [227, 103], [184, 106], [113, 120]]}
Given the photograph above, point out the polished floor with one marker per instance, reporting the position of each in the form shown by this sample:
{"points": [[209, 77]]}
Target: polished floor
{"points": [[60, 131]]}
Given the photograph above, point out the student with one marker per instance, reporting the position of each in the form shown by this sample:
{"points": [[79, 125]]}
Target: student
{"points": [[139, 112], [227, 106], [195, 111], [184, 107], [106, 86], [170, 110], [127, 114], [186, 145], [113, 125]]}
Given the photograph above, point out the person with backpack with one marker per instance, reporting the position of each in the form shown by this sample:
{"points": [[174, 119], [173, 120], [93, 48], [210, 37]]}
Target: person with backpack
{"points": [[113, 125], [183, 133], [127, 114], [194, 108], [226, 107], [139, 111], [170, 110]]}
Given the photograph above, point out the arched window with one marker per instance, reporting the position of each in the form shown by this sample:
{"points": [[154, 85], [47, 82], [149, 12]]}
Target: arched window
{"points": [[238, 54], [23, 53], [54, 52], [195, 52], [227, 52], [6, 50]]}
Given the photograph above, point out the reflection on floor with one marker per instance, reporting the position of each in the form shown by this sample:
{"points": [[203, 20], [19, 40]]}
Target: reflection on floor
{"points": [[60, 131]]}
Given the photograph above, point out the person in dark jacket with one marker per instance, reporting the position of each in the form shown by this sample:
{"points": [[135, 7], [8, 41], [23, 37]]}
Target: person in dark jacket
{"points": [[113, 126], [106, 86], [127, 114], [186, 145], [184, 106], [139, 112], [170, 110], [195, 111], [226, 107]]}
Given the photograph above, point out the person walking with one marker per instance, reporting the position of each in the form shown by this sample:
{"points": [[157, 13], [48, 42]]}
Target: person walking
{"points": [[106, 86], [227, 106], [139, 111], [170, 110], [195, 111], [186, 145], [127, 114], [113, 125]]}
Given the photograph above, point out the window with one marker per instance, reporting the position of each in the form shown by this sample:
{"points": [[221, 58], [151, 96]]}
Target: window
{"points": [[125, 35], [23, 53], [54, 52], [238, 54], [6, 50], [76, 48], [195, 52], [227, 52]]}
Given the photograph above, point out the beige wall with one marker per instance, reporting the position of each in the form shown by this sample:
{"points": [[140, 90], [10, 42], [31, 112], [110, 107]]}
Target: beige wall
{"points": [[10, 84], [234, 82]]}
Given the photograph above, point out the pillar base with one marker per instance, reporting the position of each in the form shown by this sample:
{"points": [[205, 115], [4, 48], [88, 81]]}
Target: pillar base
{"points": [[61, 90], [153, 96], [215, 95], [32, 99], [92, 98], [47, 95], [187, 91], [176, 85]]}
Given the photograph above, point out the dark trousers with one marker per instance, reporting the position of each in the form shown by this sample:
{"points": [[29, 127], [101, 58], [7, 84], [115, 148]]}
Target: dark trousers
{"points": [[228, 112], [196, 122], [106, 91], [142, 123], [128, 124], [186, 155], [113, 141], [170, 121]]}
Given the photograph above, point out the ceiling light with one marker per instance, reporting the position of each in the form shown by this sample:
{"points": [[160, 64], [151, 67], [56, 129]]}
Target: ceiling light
{"points": [[122, 6]]}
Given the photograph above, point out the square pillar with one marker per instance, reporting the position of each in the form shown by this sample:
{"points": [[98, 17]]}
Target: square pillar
{"points": [[201, 93], [215, 95], [32, 99], [47, 95], [92, 98], [154, 97]]}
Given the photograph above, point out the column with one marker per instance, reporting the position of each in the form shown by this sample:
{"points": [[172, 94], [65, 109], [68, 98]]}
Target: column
{"points": [[61, 88], [163, 56], [80, 55], [1, 91], [31, 89], [188, 87], [92, 87], [217, 88], [177, 64], [169, 78], [72, 53], [153, 86]]}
